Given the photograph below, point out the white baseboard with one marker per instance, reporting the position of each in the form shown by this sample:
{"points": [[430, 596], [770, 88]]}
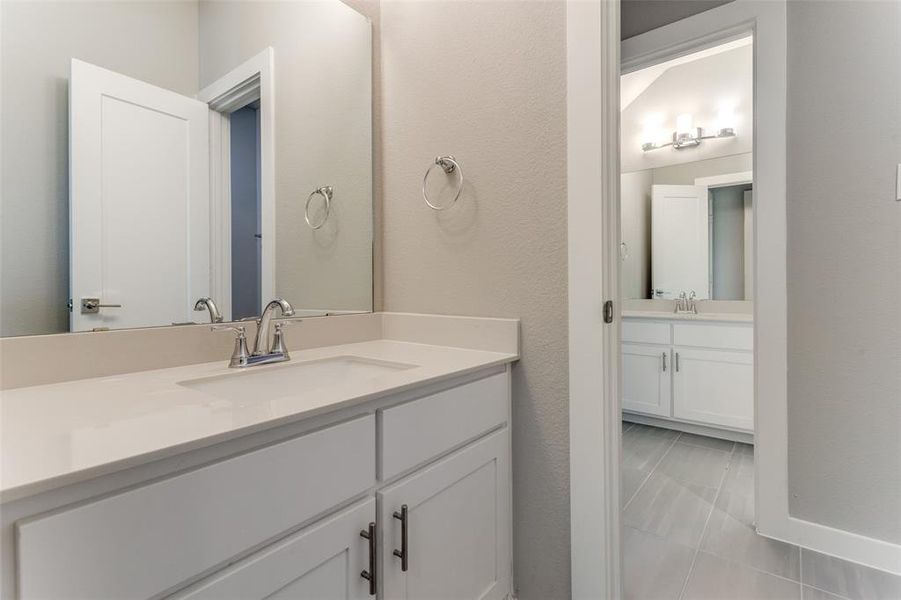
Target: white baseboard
{"points": [[867, 551], [715, 432]]}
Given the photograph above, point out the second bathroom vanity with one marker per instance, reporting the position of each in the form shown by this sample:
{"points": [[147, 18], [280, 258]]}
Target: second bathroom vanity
{"points": [[689, 372]]}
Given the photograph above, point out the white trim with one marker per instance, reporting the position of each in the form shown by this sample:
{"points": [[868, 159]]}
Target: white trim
{"points": [[252, 80], [592, 101], [716, 181], [767, 20], [220, 213]]}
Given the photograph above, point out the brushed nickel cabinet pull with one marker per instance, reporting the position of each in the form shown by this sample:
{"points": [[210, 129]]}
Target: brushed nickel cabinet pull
{"points": [[403, 553], [677, 362], [369, 574], [664, 362]]}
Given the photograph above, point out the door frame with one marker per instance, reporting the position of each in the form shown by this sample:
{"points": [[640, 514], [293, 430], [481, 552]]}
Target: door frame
{"points": [[593, 70], [251, 81]]}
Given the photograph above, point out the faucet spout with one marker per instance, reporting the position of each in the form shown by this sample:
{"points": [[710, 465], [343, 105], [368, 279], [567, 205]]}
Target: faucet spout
{"points": [[261, 342], [207, 303]]}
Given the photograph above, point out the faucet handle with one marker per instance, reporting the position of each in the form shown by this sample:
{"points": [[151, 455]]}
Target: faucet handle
{"points": [[240, 355], [278, 338], [238, 329]]}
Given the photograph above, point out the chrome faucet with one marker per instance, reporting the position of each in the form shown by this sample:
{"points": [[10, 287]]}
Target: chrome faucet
{"points": [[207, 303], [686, 304], [261, 343], [263, 353]]}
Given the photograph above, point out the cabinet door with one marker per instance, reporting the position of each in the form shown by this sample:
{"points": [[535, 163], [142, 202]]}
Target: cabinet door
{"points": [[458, 523], [322, 562], [715, 387], [646, 379]]}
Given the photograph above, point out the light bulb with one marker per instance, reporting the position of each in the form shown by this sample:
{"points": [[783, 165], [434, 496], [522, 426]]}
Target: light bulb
{"points": [[725, 122], [683, 125]]}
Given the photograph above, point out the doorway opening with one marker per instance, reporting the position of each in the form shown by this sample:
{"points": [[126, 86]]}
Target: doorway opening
{"points": [[246, 191]]}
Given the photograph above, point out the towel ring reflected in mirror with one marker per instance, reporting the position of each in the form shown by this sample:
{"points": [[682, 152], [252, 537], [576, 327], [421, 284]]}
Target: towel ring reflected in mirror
{"points": [[449, 165], [326, 192]]}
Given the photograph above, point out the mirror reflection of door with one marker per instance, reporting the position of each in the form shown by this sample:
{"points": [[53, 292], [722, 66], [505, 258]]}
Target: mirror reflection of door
{"points": [[680, 251], [139, 218]]}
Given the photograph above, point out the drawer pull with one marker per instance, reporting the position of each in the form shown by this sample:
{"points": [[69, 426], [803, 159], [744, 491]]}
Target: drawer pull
{"points": [[369, 575], [402, 554]]}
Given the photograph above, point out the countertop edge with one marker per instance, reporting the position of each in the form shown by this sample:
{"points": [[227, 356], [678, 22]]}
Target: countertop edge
{"points": [[31, 489]]}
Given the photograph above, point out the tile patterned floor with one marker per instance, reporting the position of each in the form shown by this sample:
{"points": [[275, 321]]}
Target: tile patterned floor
{"points": [[688, 530]]}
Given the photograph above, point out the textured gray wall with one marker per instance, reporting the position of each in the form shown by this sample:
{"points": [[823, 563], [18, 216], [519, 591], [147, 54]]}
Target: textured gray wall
{"points": [[844, 265], [486, 81], [640, 16]]}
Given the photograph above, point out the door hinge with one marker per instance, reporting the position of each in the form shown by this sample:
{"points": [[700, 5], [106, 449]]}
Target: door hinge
{"points": [[608, 311]]}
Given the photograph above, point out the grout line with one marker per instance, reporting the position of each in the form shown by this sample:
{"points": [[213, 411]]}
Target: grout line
{"points": [[719, 490], [651, 472]]}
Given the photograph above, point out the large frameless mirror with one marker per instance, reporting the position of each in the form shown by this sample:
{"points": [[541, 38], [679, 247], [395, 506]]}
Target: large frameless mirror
{"points": [[181, 162]]}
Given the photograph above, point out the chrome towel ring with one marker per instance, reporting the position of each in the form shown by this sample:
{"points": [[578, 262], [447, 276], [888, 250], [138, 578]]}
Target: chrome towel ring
{"points": [[449, 164], [326, 192]]}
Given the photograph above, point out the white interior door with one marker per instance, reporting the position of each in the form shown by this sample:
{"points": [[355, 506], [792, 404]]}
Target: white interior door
{"points": [[138, 200], [680, 241]]}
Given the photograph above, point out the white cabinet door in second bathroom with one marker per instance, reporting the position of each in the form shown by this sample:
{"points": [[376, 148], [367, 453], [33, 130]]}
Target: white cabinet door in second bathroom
{"points": [[646, 379], [715, 387]]}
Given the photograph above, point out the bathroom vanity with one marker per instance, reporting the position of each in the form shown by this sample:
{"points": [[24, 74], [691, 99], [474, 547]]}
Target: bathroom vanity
{"points": [[377, 468], [689, 372]]}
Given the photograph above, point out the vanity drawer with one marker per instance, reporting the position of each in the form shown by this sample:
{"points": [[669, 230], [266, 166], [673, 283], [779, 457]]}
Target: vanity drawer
{"points": [[646, 332], [142, 542], [416, 431], [729, 336]]}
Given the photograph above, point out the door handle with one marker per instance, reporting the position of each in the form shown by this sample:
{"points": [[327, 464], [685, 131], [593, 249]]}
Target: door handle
{"points": [[369, 574], [664, 361], [404, 551], [91, 306]]}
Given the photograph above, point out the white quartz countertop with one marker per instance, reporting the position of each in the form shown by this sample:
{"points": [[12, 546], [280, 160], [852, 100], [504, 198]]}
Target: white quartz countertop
{"points": [[59, 434], [669, 315]]}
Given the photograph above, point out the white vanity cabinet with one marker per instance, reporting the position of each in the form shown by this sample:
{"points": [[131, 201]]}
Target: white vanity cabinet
{"points": [[444, 528], [290, 517], [646, 379], [692, 375], [322, 561]]}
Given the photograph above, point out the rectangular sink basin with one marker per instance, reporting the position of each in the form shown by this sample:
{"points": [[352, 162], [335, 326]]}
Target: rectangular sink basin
{"points": [[292, 379]]}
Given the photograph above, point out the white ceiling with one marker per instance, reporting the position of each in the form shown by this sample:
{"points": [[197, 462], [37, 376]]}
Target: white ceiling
{"points": [[631, 85]]}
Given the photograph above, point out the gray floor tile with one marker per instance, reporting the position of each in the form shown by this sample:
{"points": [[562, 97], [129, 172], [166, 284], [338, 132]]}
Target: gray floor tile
{"points": [[714, 578], [736, 540], [653, 568], [671, 509], [705, 442], [739, 482], [848, 579], [809, 593], [631, 481], [695, 464], [643, 446]]}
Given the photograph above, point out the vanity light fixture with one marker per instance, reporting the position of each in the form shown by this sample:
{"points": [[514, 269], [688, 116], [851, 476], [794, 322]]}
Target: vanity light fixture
{"points": [[689, 136]]}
